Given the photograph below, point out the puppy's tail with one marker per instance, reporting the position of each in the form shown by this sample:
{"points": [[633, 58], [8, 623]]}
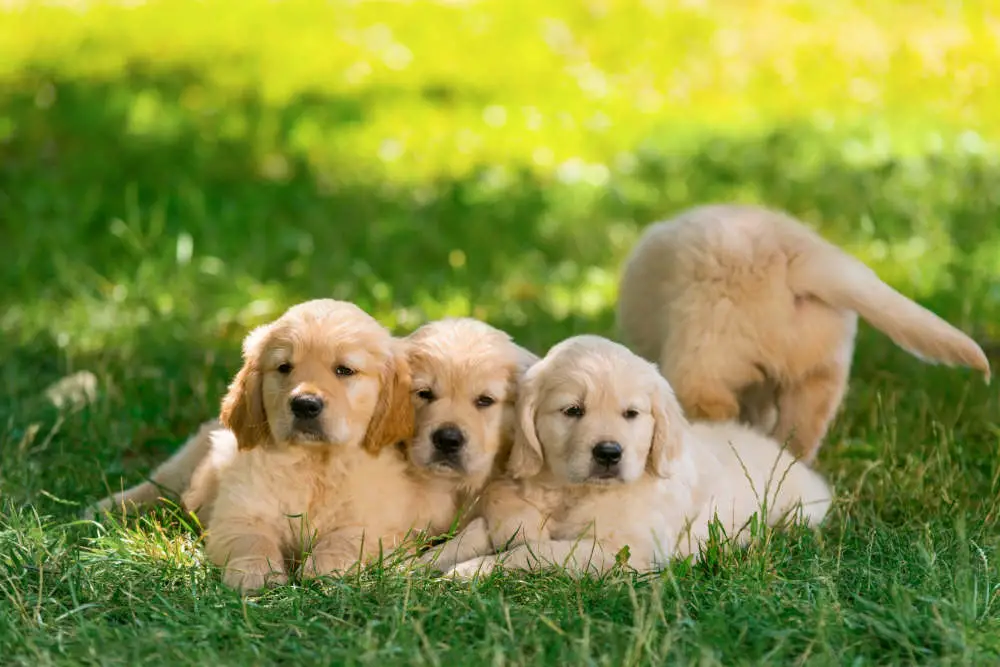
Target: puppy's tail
{"points": [[171, 478], [824, 271]]}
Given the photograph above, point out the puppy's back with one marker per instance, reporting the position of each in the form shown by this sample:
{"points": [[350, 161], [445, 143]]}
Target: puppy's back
{"points": [[710, 288], [746, 275]]}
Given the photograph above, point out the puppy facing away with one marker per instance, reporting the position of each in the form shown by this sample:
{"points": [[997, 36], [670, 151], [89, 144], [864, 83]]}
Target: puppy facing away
{"points": [[604, 458], [751, 315]]}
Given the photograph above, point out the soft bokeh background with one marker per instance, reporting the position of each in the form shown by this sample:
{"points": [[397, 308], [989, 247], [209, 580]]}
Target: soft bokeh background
{"points": [[173, 173]]}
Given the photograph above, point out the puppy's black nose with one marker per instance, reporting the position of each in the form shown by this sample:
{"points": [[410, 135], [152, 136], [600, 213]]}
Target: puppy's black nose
{"points": [[607, 453], [307, 406], [448, 439]]}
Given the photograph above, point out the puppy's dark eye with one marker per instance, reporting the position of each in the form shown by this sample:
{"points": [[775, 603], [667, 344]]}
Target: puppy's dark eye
{"points": [[485, 401], [344, 371], [575, 411], [426, 394], [631, 413], [285, 368]]}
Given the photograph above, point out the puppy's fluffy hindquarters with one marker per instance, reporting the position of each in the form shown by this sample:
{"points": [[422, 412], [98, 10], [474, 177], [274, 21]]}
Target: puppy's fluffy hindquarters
{"points": [[605, 459], [751, 315], [175, 477]]}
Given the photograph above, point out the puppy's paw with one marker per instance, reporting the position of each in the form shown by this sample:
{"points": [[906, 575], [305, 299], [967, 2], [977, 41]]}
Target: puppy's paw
{"points": [[473, 541], [107, 506], [475, 567], [327, 563], [250, 575], [432, 560]]}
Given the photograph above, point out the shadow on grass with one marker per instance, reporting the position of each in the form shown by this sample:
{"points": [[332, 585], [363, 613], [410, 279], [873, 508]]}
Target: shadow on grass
{"points": [[148, 235]]}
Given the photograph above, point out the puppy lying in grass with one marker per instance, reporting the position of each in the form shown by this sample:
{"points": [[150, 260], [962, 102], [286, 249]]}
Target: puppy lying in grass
{"points": [[315, 413], [751, 315], [465, 375], [604, 458]]}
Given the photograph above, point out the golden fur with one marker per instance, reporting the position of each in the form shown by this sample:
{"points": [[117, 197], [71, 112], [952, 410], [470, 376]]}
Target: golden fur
{"points": [[751, 315], [465, 379], [605, 459], [324, 489], [328, 488], [460, 360]]}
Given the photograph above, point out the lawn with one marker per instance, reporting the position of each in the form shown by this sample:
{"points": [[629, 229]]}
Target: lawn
{"points": [[173, 173]]}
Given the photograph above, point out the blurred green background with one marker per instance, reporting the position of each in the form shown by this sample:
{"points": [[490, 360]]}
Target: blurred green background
{"points": [[172, 173]]}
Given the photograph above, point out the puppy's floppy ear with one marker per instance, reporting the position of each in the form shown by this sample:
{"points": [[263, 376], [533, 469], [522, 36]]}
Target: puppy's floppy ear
{"points": [[526, 456], [525, 359], [669, 426], [243, 406], [392, 420], [521, 360]]}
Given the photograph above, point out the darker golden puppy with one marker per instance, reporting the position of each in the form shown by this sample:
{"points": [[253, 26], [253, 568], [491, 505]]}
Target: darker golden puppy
{"points": [[466, 376], [322, 396], [303, 466], [465, 382]]}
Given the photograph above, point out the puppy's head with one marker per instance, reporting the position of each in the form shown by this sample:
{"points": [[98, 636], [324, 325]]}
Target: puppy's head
{"points": [[465, 378], [325, 373], [592, 412]]}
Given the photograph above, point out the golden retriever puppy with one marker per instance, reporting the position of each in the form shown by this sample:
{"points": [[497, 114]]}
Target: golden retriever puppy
{"points": [[751, 315], [465, 379], [465, 376], [605, 459], [306, 467], [316, 411]]}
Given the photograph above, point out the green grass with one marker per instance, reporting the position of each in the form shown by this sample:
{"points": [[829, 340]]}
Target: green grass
{"points": [[173, 173]]}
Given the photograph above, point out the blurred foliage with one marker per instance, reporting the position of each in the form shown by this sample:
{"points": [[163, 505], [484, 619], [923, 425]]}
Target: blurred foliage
{"points": [[209, 162]]}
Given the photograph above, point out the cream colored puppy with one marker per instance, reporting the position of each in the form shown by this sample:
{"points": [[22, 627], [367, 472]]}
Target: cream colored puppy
{"points": [[605, 460], [751, 315]]}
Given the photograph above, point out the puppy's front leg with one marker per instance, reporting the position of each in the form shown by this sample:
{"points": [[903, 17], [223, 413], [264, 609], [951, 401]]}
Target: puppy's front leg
{"points": [[471, 541], [574, 556], [337, 551], [516, 524], [251, 560]]}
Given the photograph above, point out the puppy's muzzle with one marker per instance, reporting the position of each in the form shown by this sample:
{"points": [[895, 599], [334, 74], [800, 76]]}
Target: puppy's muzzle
{"points": [[448, 441], [306, 406]]}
